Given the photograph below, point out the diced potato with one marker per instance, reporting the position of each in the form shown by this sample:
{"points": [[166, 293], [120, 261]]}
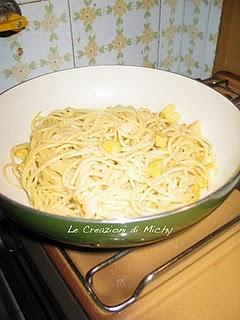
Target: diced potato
{"points": [[209, 160], [196, 191], [173, 117], [161, 140], [199, 157], [21, 154], [195, 188], [111, 146], [210, 165], [195, 128], [202, 183], [169, 114], [184, 127], [155, 168], [168, 109]]}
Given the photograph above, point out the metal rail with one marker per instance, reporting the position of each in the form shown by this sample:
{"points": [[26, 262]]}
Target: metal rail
{"points": [[88, 281]]}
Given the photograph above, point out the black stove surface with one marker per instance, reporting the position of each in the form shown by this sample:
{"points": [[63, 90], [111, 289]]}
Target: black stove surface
{"points": [[30, 286]]}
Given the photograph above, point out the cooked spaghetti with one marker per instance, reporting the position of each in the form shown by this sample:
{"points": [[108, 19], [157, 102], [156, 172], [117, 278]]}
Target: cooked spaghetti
{"points": [[111, 163]]}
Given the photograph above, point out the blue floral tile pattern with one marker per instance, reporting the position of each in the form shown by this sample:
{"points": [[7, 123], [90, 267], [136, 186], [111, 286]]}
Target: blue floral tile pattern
{"points": [[44, 46], [175, 35], [189, 31]]}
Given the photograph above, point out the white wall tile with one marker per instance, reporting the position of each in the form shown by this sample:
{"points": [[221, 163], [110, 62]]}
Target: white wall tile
{"points": [[184, 39], [153, 33], [44, 46]]}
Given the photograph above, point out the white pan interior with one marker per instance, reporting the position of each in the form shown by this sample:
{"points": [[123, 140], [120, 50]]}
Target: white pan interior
{"points": [[111, 85]]}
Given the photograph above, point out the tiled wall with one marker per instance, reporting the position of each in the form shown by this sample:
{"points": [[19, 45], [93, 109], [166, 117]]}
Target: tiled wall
{"points": [[176, 35]]}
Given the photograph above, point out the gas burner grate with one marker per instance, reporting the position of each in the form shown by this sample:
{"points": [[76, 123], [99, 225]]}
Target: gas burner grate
{"points": [[227, 84]]}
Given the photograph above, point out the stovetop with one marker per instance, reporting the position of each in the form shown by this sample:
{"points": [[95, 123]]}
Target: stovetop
{"points": [[227, 84], [40, 279], [120, 282]]}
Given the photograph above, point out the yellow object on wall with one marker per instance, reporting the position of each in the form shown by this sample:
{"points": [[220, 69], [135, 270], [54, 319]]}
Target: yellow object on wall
{"points": [[13, 22]]}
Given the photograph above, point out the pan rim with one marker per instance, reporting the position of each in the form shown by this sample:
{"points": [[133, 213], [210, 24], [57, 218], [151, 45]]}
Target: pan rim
{"points": [[204, 199]]}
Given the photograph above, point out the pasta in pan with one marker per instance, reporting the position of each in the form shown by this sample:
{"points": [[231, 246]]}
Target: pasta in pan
{"points": [[111, 163]]}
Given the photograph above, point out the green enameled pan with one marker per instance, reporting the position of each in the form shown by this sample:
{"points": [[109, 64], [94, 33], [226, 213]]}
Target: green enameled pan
{"points": [[107, 86]]}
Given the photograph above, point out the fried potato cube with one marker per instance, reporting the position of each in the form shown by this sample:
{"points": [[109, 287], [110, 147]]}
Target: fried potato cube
{"points": [[111, 146], [195, 128], [161, 140], [155, 168], [168, 113]]}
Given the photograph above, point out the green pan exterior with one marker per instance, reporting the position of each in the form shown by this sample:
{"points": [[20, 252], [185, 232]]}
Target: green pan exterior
{"points": [[112, 234]]}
